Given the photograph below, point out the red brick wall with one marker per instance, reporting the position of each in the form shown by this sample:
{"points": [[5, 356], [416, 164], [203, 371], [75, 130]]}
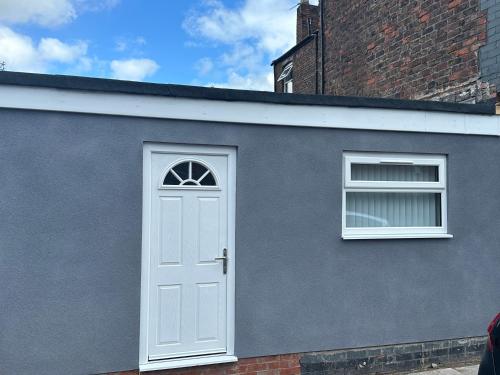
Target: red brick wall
{"points": [[304, 69], [404, 48], [287, 364], [306, 12]]}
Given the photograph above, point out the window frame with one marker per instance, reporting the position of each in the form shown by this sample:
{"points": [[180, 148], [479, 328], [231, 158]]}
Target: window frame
{"points": [[287, 70], [174, 164], [440, 187], [287, 77]]}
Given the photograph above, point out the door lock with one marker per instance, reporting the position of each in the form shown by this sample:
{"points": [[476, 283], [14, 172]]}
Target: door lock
{"points": [[224, 260]]}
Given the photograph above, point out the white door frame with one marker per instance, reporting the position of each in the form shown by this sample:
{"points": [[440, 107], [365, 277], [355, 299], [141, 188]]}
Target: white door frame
{"points": [[148, 150]]}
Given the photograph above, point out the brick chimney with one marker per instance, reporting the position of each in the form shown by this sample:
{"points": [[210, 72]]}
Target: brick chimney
{"points": [[307, 19]]}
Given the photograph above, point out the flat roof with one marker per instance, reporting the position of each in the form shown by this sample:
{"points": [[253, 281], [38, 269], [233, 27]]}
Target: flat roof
{"points": [[231, 95]]}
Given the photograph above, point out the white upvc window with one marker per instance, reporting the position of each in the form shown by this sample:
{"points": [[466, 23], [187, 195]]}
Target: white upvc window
{"points": [[394, 196], [287, 78]]}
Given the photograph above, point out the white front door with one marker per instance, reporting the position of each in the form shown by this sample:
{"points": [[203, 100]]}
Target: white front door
{"points": [[189, 248]]}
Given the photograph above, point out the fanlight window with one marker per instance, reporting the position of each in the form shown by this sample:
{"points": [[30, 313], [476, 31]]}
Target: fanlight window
{"points": [[189, 173]]}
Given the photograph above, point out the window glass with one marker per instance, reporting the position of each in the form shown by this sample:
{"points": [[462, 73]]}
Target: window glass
{"points": [[389, 172], [182, 170], [374, 209], [209, 180], [170, 179], [198, 170], [189, 173]]}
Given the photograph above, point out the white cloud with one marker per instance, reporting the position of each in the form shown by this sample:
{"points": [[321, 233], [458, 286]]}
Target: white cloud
{"points": [[133, 69], [42, 12], [52, 55], [85, 64], [89, 66], [255, 33], [259, 82], [54, 50], [49, 13], [245, 56], [20, 53], [270, 24]]}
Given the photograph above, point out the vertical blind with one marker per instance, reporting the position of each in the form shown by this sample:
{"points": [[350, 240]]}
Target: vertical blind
{"points": [[393, 209], [381, 172]]}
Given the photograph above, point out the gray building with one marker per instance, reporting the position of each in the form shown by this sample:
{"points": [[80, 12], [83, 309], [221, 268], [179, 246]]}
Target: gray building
{"points": [[155, 227]]}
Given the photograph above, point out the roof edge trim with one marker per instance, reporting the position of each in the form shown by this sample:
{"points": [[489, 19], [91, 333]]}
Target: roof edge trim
{"points": [[237, 113], [232, 95]]}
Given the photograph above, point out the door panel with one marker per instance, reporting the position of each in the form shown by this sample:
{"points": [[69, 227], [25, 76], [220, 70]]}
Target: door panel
{"points": [[188, 230], [169, 322], [171, 230], [208, 312], [208, 229]]}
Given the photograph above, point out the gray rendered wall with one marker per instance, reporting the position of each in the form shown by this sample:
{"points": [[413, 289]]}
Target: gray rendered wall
{"points": [[70, 246], [489, 55]]}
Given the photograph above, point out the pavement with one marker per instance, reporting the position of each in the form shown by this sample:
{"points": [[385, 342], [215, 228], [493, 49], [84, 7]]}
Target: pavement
{"points": [[468, 370]]}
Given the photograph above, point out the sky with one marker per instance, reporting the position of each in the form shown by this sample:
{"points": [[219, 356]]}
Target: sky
{"points": [[218, 43]]}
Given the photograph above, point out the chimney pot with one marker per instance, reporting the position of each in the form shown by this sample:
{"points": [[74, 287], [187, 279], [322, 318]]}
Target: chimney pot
{"points": [[304, 1]]}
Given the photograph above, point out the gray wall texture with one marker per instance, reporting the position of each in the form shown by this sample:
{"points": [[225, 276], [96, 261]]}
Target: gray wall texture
{"points": [[489, 55], [70, 249]]}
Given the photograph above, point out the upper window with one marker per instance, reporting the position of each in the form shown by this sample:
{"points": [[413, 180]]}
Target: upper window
{"points": [[189, 174], [394, 196], [288, 86], [287, 78]]}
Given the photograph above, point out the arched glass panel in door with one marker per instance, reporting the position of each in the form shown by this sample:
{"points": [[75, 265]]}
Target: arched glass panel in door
{"points": [[190, 173]]}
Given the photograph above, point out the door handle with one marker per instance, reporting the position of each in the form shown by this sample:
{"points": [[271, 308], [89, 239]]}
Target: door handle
{"points": [[224, 260]]}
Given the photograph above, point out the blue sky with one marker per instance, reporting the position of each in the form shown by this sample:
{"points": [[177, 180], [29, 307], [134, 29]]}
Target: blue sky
{"points": [[202, 42]]}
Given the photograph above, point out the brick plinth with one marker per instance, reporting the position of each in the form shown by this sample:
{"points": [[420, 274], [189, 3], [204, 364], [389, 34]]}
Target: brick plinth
{"points": [[387, 359], [287, 364], [392, 359]]}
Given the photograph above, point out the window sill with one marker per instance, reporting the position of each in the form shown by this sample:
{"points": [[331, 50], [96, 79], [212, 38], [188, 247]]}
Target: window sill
{"points": [[394, 236], [187, 362]]}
